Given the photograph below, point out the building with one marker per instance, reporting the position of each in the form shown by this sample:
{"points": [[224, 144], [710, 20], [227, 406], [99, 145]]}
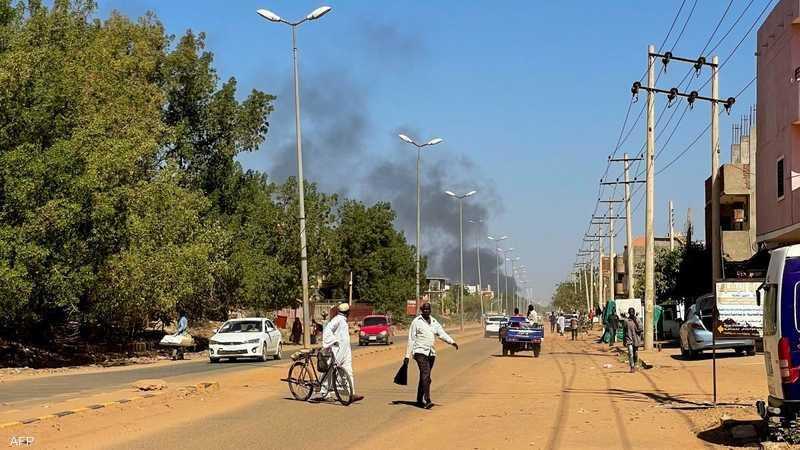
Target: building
{"points": [[737, 185], [778, 123]]}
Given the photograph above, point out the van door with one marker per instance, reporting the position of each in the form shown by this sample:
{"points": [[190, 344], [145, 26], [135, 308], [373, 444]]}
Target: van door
{"points": [[769, 299], [788, 320]]}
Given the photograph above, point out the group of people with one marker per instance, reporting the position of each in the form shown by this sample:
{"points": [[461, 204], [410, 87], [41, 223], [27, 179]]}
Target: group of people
{"points": [[422, 333], [632, 332], [558, 323]]}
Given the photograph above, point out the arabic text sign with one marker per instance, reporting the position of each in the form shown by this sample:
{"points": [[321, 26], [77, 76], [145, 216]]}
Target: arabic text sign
{"points": [[739, 315]]}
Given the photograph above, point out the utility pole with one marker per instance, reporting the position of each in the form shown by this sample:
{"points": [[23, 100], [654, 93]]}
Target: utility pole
{"points": [[691, 97], [715, 191], [671, 227], [649, 248], [350, 286], [630, 272]]}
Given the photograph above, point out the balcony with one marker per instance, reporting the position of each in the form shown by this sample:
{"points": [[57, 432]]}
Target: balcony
{"points": [[734, 183]]}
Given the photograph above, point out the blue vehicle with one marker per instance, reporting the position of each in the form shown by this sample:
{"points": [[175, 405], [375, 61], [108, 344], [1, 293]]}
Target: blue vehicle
{"points": [[780, 298], [519, 335]]}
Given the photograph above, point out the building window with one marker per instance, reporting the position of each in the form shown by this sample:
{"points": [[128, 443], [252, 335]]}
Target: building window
{"points": [[780, 178]]}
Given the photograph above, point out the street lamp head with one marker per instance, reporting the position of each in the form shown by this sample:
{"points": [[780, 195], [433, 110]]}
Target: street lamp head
{"points": [[470, 193], [406, 138], [319, 12], [435, 141], [450, 193], [269, 15]]}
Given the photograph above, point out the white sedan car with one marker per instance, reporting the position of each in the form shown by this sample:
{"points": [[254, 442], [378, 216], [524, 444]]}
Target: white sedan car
{"points": [[492, 325], [254, 337]]}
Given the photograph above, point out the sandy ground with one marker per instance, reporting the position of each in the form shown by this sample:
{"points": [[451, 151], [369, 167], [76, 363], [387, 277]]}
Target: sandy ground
{"points": [[577, 395]]}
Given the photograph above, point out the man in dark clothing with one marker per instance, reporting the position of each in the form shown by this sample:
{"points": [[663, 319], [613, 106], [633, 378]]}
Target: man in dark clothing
{"points": [[297, 331], [552, 322], [632, 337]]}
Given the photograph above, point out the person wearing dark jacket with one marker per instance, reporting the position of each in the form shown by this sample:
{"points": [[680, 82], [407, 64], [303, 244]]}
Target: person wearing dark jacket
{"points": [[632, 337]]}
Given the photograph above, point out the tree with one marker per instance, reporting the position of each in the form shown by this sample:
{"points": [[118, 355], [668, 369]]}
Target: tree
{"points": [[568, 297], [680, 273]]}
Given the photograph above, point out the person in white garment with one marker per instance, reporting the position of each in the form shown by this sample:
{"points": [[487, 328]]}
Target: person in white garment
{"points": [[421, 335], [336, 338]]}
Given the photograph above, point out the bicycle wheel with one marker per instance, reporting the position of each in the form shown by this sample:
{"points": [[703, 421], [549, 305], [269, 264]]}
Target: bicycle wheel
{"points": [[343, 386], [301, 383]]}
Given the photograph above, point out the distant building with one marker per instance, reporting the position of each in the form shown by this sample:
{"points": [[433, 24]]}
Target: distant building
{"points": [[778, 123]]}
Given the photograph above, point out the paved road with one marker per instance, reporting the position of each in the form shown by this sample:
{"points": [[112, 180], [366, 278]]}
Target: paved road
{"points": [[32, 391]]}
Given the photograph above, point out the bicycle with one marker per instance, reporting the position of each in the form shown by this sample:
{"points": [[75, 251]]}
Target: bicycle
{"points": [[304, 380]]}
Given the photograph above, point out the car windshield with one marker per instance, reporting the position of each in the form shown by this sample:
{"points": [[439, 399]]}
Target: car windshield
{"points": [[241, 326], [494, 319], [372, 321]]}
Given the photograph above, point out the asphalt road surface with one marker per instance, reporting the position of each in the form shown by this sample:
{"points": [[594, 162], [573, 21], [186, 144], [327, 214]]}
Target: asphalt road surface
{"points": [[281, 422], [30, 391]]}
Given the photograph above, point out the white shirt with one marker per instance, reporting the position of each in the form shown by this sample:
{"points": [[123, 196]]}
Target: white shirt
{"points": [[336, 336], [422, 334], [560, 321]]}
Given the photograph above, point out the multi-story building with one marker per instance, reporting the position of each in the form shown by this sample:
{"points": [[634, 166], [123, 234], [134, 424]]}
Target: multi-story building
{"points": [[737, 184], [778, 123]]}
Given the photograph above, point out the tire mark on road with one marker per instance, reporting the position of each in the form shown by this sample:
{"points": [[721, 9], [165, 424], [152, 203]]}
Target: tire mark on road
{"points": [[562, 410], [622, 432]]}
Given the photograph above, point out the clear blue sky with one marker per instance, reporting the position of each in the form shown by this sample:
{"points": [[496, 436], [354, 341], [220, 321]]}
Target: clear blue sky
{"points": [[529, 97]]}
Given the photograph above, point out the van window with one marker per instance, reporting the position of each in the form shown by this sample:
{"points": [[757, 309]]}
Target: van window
{"points": [[770, 309]]}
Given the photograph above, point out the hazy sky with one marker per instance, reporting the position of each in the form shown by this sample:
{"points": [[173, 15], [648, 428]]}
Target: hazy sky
{"points": [[529, 96]]}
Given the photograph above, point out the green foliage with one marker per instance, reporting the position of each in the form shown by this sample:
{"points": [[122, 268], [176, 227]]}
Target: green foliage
{"points": [[120, 196], [680, 273], [569, 297]]}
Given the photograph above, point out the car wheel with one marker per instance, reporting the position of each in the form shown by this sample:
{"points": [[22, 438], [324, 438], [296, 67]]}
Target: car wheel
{"points": [[751, 351], [279, 354], [263, 357], [213, 360]]}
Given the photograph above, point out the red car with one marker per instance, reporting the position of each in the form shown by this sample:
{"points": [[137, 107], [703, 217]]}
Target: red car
{"points": [[376, 329]]}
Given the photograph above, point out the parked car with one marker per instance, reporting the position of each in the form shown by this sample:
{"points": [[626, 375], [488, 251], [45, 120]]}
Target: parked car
{"points": [[491, 325], [253, 337], [376, 329], [695, 336]]}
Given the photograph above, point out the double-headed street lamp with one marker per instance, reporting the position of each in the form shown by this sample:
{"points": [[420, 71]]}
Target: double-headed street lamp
{"points": [[460, 198], [433, 141], [506, 304], [497, 240], [272, 17]]}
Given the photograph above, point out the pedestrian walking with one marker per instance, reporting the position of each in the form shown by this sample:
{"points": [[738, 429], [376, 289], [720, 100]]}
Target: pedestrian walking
{"points": [[183, 329], [422, 333], [561, 321], [336, 338], [552, 322], [632, 337], [573, 327], [297, 331]]}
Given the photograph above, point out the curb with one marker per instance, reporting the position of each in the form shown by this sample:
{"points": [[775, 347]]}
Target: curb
{"points": [[194, 388]]}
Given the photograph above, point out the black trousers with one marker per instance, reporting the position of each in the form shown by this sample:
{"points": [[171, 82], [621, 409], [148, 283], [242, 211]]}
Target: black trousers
{"points": [[574, 332], [425, 364]]}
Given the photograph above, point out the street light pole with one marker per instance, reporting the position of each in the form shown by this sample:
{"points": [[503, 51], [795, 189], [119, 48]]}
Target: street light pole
{"points": [[460, 199], [478, 257], [419, 147], [497, 270], [272, 17]]}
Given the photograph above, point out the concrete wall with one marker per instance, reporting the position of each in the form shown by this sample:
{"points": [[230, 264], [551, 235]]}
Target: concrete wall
{"points": [[777, 122]]}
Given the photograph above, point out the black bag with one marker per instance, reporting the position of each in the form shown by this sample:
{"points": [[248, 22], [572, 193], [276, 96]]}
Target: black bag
{"points": [[401, 377], [324, 360]]}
